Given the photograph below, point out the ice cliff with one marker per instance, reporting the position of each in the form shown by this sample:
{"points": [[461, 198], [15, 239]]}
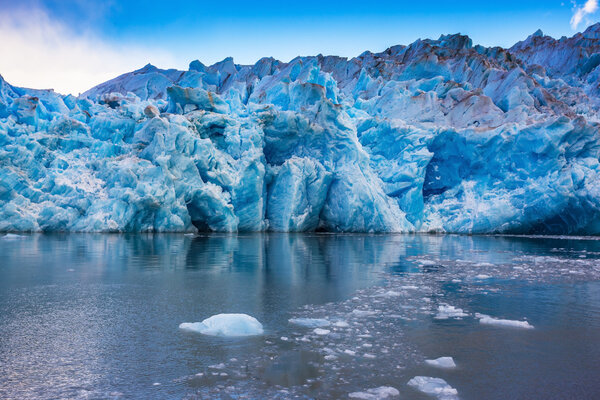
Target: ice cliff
{"points": [[439, 135]]}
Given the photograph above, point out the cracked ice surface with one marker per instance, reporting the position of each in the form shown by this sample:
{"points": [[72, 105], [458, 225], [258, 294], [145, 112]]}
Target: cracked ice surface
{"points": [[439, 135]]}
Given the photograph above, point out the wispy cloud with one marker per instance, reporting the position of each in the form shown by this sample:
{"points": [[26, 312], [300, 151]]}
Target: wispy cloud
{"points": [[40, 52], [590, 7]]}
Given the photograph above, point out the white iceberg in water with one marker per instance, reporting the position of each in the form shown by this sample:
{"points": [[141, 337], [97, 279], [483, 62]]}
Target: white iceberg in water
{"points": [[228, 325], [487, 320], [442, 362], [382, 392], [446, 311], [434, 386], [310, 322]]}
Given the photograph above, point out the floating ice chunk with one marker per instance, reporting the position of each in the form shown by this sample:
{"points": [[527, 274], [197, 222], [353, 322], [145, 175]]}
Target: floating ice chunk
{"points": [[484, 264], [226, 325], [446, 311], [382, 392], [442, 362], [482, 276], [10, 236], [363, 313], [310, 322], [434, 386], [341, 324], [389, 293], [427, 262], [487, 320], [320, 331]]}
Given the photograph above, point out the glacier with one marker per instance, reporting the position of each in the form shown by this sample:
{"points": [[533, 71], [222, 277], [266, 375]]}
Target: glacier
{"points": [[437, 136]]}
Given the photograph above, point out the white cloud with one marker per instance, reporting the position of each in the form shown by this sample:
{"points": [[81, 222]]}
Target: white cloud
{"points": [[590, 7], [40, 53]]}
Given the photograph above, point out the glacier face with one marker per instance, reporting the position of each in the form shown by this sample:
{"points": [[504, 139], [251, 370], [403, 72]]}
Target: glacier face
{"points": [[437, 136]]}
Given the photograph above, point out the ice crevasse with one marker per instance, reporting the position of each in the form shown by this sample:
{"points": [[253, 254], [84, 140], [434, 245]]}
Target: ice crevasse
{"points": [[439, 135]]}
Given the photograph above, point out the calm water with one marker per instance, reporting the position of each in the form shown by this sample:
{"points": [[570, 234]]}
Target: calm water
{"points": [[97, 316]]}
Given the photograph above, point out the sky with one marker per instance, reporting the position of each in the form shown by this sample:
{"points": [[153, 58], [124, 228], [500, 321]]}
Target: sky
{"points": [[72, 45]]}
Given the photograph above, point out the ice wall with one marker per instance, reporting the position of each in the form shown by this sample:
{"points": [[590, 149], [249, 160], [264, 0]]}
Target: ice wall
{"points": [[439, 135]]}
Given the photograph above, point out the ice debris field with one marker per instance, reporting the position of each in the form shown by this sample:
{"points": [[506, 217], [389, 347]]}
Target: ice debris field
{"points": [[440, 135], [360, 348]]}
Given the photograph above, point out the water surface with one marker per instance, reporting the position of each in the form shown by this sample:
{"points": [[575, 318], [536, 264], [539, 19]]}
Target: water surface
{"points": [[97, 316]]}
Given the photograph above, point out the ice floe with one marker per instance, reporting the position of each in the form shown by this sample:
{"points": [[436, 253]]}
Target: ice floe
{"points": [[310, 322], [487, 320], [434, 386], [446, 311], [442, 362], [382, 392], [229, 325]]}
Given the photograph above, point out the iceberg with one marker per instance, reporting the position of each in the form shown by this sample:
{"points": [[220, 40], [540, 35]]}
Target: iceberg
{"points": [[446, 311], [436, 387], [437, 136], [487, 320], [310, 322], [227, 325], [442, 362], [382, 392]]}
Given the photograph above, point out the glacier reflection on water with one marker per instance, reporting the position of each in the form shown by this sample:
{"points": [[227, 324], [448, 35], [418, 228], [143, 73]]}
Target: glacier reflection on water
{"points": [[96, 316]]}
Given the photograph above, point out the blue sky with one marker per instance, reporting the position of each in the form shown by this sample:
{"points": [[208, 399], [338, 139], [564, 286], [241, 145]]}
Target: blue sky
{"points": [[72, 45]]}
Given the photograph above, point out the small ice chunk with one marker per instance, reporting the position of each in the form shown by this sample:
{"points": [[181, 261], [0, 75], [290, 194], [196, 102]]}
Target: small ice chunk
{"points": [[482, 276], [389, 293], [341, 324], [10, 236], [363, 313], [446, 311], [427, 262], [382, 392], [350, 352], [487, 320], [320, 331], [226, 325], [310, 322], [484, 264], [442, 362], [434, 386]]}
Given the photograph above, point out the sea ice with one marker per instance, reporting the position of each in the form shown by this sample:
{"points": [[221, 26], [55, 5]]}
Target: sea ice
{"points": [[229, 325]]}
